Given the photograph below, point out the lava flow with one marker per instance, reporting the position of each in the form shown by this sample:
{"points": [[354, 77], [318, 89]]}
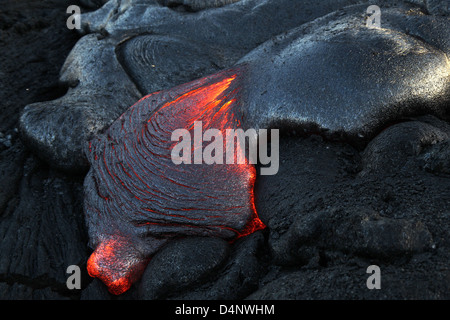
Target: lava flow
{"points": [[137, 199]]}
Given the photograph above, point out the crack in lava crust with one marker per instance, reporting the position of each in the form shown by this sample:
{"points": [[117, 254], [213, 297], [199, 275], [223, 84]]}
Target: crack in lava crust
{"points": [[137, 199]]}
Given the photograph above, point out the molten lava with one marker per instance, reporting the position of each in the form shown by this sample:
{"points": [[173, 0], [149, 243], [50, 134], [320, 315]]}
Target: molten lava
{"points": [[137, 199]]}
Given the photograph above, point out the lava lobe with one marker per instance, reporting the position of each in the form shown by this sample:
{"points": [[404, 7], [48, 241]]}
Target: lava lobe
{"points": [[137, 199]]}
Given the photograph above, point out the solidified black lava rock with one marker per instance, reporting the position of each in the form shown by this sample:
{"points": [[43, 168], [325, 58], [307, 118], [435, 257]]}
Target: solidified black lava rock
{"points": [[98, 93], [437, 158], [42, 233], [159, 62], [181, 265], [333, 75], [41, 215], [238, 277], [420, 278], [333, 209], [411, 138], [344, 207]]}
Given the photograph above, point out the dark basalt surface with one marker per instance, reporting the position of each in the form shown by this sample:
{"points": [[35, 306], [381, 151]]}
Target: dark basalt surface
{"points": [[335, 76], [113, 85], [365, 78], [41, 211], [334, 208], [348, 210]]}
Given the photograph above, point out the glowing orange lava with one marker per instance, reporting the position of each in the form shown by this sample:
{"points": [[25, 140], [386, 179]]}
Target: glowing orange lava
{"points": [[141, 183]]}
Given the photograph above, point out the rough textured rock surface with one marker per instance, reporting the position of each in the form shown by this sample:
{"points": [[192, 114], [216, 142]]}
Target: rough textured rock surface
{"points": [[59, 140], [379, 206], [181, 265], [57, 130], [333, 209], [41, 213], [238, 277], [365, 77]]}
